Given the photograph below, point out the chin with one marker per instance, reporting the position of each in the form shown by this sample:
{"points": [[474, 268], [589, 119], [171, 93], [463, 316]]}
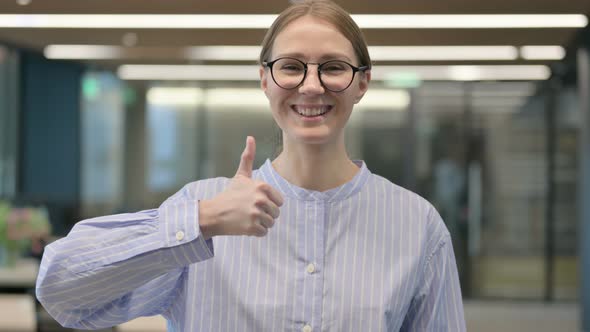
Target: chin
{"points": [[312, 136]]}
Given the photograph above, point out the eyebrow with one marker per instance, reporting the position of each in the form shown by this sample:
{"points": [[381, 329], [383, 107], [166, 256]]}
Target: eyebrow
{"points": [[328, 56]]}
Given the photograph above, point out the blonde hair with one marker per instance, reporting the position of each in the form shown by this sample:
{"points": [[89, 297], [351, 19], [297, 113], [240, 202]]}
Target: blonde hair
{"points": [[325, 10]]}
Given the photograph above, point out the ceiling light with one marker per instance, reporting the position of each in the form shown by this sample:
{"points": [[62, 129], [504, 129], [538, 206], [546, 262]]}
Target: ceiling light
{"points": [[220, 99], [136, 21], [107, 52], [251, 53], [442, 53], [227, 52], [175, 96], [466, 73], [221, 21], [490, 21], [513, 89], [189, 72], [379, 73], [232, 98], [94, 52], [386, 99], [545, 52]]}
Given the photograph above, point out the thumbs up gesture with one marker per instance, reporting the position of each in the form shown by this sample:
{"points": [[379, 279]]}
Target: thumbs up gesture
{"points": [[246, 207]]}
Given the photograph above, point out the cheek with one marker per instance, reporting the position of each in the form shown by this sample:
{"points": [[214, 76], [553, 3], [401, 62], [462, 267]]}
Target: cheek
{"points": [[347, 100], [278, 107], [277, 96]]}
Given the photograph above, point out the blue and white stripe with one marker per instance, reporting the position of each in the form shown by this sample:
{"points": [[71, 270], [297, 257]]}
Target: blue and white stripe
{"points": [[366, 256]]}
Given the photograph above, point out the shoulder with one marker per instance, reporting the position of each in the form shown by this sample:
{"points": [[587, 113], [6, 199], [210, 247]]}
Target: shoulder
{"points": [[398, 195], [409, 207]]}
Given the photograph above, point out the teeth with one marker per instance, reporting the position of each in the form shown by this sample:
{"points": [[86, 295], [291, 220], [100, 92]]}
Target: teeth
{"points": [[311, 111]]}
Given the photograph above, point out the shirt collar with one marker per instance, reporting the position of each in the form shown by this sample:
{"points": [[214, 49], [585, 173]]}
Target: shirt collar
{"points": [[270, 175]]}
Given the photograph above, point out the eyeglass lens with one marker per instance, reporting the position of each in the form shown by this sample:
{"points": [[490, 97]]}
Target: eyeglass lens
{"points": [[335, 75]]}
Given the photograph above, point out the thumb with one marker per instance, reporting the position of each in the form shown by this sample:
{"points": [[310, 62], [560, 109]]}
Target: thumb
{"points": [[247, 159]]}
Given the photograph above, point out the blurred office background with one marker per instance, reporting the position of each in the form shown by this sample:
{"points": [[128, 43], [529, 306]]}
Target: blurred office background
{"points": [[100, 117]]}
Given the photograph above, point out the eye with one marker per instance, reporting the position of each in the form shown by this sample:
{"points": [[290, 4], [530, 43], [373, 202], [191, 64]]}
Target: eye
{"points": [[334, 67], [290, 66]]}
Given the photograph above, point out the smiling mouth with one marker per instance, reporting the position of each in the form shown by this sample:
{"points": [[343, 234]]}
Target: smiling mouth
{"points": [[311, 111]]}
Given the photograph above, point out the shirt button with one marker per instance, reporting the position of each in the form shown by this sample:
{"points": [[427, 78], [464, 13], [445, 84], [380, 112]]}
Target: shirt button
{"points": [[179, 235], [310, 269], [306, 328]]}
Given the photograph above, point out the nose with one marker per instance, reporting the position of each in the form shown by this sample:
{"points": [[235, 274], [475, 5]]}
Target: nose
{"points": [[311, 84]]}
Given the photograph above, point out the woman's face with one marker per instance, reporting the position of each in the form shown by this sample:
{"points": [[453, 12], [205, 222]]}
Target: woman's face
{"points": [[312, 40]]}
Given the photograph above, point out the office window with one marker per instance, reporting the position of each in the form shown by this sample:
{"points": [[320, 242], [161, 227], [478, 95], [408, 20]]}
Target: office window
{"points": [[8, 121], [102, 142], [172, 136]]}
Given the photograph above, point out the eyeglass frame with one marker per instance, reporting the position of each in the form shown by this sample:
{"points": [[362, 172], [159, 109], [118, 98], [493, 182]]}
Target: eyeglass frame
{"points": [[269, 64]]}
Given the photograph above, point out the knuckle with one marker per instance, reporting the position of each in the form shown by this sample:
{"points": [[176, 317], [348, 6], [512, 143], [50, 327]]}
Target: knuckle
{"points": [[262, 233], [264, 221], [259, 200], [254, 215], [251, 229], [263, 186], [257, 231]]}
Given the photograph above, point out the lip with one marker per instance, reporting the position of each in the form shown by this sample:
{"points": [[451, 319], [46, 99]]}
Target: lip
{"points": [[328, 108]]}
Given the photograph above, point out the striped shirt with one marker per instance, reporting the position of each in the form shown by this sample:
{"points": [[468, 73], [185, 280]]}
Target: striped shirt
{"points": [[365, 256]]}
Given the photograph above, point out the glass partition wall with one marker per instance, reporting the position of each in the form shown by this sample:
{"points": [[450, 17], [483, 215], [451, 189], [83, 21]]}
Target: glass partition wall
{"points": [[102, 134], [482, 159], [478, 151], [9, 123]]}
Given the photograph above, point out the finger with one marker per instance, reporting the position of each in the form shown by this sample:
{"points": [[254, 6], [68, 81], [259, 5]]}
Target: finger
{"points": [[273, 194], [259, 230], [247, 158], [272, 209], [266, 220], [263, 203]]}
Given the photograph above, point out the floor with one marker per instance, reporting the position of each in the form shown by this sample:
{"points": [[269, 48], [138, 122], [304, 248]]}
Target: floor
{"points": [[493, 316]]}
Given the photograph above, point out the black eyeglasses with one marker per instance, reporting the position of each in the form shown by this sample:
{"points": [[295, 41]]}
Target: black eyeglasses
{"points": [[334, 75]]}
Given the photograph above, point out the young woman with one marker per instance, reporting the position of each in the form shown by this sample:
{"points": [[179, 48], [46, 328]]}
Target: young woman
{"points": [[333, 246]]}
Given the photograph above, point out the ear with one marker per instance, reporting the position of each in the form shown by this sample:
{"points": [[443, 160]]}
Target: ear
{"points": [[263, 75], [365, 78]]}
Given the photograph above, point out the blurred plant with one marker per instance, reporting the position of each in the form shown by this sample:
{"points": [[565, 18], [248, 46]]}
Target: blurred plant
{"points": [[23, 228]]}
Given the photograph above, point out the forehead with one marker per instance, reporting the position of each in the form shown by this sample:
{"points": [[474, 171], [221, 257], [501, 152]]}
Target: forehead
{"points": [[312, 38]]}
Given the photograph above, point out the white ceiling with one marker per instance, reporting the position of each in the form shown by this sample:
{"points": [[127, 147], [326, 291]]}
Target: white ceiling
{"points": [[167, 43]]}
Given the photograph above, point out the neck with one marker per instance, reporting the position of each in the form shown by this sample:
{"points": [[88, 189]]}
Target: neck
{"points": [[317, 167]]}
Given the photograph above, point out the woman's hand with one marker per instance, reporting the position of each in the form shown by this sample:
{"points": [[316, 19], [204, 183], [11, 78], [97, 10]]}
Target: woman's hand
{"points": [[246, 207]]}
